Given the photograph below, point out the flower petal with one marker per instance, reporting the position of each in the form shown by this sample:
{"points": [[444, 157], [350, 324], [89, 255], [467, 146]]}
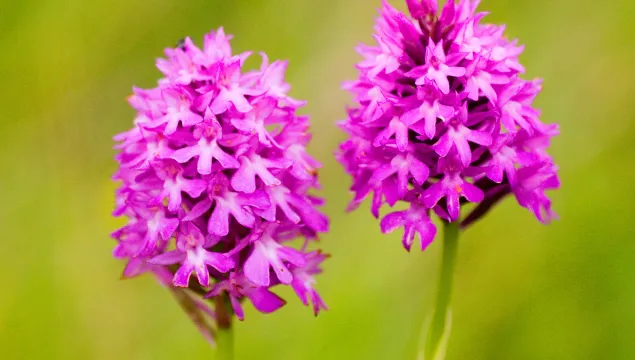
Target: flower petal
{"points": [[256, 268], [168, 258], [471, 192], [392, 221], [219, 262], [244, 180], [264, 300], [182, 275], [219, 221]]}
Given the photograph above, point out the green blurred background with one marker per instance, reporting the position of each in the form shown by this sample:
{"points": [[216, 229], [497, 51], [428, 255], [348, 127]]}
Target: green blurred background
{"points": [[523, 290]]}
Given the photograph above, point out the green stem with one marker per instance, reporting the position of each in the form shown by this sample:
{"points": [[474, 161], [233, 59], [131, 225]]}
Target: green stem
{"points": [[439, 330], [224, 334]]}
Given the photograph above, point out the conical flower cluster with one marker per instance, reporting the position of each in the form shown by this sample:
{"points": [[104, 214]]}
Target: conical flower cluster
{"points": [[443, 118], [216, 180]]}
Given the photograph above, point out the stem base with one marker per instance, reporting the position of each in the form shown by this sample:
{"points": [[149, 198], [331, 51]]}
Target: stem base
{"points": [[440, 325], [224, 333]]}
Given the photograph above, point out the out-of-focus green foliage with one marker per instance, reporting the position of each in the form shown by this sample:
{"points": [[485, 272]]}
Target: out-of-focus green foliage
{"points": [[523, 290]]}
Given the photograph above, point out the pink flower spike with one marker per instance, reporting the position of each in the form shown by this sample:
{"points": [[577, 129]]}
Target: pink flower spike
{"points": [[215, 180], [442, 116]]}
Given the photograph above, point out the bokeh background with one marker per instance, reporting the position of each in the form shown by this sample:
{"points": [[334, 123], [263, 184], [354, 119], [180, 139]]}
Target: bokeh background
{"points": [[523, 290]]}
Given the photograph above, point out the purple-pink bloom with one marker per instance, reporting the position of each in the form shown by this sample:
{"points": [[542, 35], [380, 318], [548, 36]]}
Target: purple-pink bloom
{"points": [[530, 192], [458, 136], [442, 118], [175, 184], [215, 179], [451, 187], [206, 149], [437, 68], [414, 220], [193, 257], [176, 107], [303, 282]]}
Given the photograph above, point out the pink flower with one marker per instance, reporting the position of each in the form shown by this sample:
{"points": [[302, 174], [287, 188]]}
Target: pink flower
{"points": [[415, 221], [193, 257], [268, 253], [177, 111], [442, 116], [304, 281], [437, 68], [215, 177]]}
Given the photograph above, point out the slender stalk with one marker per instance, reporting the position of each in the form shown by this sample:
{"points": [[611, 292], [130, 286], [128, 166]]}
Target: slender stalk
{"points": [[439, 331], [224, 334]]}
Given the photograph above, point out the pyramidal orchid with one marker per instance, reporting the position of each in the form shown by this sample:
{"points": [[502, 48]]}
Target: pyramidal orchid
{"points": [[442, 119], [215, 182]]}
